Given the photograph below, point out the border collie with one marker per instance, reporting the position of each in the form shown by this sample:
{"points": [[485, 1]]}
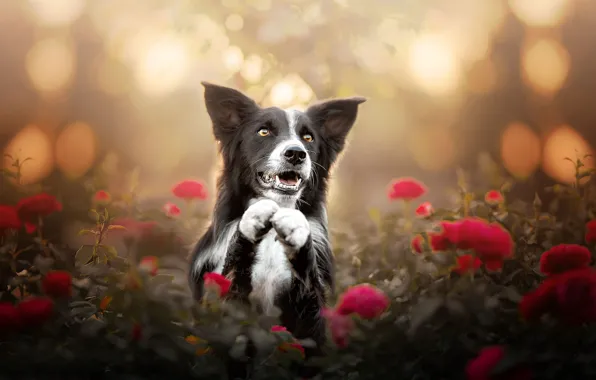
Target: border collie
{"points": [[269, 226]]}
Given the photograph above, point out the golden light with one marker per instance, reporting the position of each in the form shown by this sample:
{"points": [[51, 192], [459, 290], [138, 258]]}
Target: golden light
{"points": [[545, 65], [34, 143], [282, 94], [50, 65], [163, 65], [76, 150], [563, 142], [56, 12], [433, 149], [433, 65], [112, 76], [252, 69], [260, 5], [234, 22], [233, 58], [172, 147], [482, 77], [520, 150], [540, 13]]}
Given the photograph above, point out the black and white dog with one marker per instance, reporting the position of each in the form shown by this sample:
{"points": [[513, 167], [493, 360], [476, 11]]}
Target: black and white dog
{"points": [[269, 226]]}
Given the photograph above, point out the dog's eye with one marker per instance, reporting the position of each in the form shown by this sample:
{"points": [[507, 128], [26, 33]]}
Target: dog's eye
{"points": [[263, 132], [307, 137]]}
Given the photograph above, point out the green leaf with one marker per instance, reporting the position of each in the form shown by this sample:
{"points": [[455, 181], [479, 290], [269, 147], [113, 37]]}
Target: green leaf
{"points": [[109, 250], [116, 227], [86, 232], [84, 254], [119, 263], [375, 215], [423, 311]]}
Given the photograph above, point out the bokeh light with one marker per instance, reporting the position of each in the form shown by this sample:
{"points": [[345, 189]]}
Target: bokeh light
{"points": [[560, 143], [282, 93], [233, 58], [31, 143], [76, 150], [432, 148], [163, 65], [50, 65], [252, 69], [234, 22], [434, 65], [520, 150], [56, 12], [545, 65], [540, 13]]}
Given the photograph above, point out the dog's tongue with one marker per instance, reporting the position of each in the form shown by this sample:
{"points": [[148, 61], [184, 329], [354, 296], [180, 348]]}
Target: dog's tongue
{"points": [[288, 181]]}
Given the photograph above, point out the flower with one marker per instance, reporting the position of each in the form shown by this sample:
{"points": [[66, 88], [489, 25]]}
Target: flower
{"points": [[570, 296], [217, 282], [416, 243], [38, 205], [289, 345], [406, 189], [171, 210], [278, 328], [9, 218], [591, 231], [493, 197], [365, 300], [10, 318], [424, 210], [57, 284], [481, 367], [102, 197], [190, 189], [35, 311], [339, 325], [105, 302], [149, 264], [564, 257], [466, 264]]}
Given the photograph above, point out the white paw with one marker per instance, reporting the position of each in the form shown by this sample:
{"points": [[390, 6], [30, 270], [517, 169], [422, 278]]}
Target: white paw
{"points": [[256, 220], [291, 227]]}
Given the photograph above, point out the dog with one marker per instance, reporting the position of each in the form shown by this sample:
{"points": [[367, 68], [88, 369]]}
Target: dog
{"points": [[269, 232]]}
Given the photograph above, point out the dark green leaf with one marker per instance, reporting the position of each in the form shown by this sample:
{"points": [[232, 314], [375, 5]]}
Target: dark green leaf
{"points": [[84, 254], [424, 311]]}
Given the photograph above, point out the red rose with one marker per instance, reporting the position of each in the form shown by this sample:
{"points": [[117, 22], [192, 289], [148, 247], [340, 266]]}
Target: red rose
{"points": [[30, 209], [438, 242], [424, 210], [287, 346], [35, 311], [564, 257], [190, 189], [9, 218], [591, 232], [10, 319], [102, 197], [340, 326], [171, 210], [480, 368], [217, 282], [416, 243], [406, 189], [466, 264], [365, 300], [149, 264], [57, 284], [569, 296], [493, 197], [278, 328]]}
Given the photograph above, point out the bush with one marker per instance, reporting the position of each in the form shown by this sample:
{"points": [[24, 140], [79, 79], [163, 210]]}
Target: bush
{"points": [[490, 287]]}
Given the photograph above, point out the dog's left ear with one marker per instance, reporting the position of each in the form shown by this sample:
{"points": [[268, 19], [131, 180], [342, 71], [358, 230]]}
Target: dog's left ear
{"points": [[336, 116], [227, 108]]}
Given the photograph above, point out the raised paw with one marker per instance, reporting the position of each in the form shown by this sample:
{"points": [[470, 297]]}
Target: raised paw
{"points": [[256, 220], [291, 227]]}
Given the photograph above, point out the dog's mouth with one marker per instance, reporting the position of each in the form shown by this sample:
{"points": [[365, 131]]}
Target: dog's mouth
{"points": [[285, 181]]}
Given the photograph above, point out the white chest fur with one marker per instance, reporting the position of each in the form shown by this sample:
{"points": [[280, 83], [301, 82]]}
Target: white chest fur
{"points": [[271, 272]]}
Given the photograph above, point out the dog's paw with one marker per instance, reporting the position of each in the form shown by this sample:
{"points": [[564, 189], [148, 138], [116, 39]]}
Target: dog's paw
{"points": [[291, 227], [256, 220]]}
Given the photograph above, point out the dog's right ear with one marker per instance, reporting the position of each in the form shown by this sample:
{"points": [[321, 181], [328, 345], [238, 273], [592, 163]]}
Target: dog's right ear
{"points": [[227, 108]]}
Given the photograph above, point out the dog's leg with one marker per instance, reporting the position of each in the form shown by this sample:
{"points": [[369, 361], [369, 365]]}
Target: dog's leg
{"points": [[293, 230]]}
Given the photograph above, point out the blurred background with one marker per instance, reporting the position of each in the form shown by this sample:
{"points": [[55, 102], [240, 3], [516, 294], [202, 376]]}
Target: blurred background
{"points": [[451, 83]]}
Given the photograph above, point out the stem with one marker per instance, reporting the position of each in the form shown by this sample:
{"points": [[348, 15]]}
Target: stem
{"points": [[39, 226], [407, 216]]}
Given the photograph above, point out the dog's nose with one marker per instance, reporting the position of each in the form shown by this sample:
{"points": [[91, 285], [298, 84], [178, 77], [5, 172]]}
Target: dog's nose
{"points": [[294, 154]]}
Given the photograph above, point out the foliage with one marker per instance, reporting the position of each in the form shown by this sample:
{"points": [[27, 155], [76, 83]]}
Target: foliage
{"points": [[447, 289]]}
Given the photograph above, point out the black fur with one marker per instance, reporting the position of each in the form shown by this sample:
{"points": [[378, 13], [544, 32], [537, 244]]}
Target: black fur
{"points": [[236, 121]]}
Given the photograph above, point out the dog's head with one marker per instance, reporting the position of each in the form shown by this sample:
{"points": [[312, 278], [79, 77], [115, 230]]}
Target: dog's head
{"points": [[278, 153]]}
